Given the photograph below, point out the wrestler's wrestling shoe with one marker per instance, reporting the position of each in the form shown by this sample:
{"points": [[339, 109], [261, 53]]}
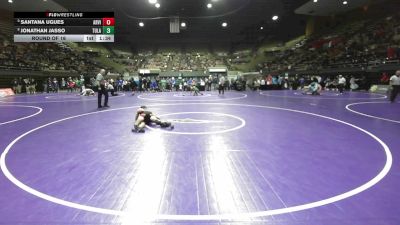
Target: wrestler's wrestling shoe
{"points": [[166, 125], [138, 130]]}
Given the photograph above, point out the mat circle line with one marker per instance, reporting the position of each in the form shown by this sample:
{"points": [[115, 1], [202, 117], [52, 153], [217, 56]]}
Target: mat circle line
{"points": [[216, 217], [242, 124], [22, 118], [319, 96], [191, 100], [198, 96], [301, 94], [348, 107]]}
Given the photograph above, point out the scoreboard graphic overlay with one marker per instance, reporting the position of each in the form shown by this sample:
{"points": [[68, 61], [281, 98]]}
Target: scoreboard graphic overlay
{"points": [[64, 26]]}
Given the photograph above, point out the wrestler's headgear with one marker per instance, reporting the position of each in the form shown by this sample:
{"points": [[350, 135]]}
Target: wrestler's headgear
{"points": [[140, 110]]}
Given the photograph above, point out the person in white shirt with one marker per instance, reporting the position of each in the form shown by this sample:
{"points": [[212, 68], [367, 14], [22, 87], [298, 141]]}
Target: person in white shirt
{"points": [[202, 84], [319, 79], [221, 85], [257, 84], [209, 82], [395, 84], [262, 83], [102, 90], [341, 83], [353, 84]]}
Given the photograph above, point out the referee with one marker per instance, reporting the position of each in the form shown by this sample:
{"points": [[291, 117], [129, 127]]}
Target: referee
{"points": [[395, 83], [341, 83], [102, 90]]}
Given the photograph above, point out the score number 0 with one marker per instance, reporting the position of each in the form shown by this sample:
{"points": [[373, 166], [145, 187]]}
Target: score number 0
{"points": [[108, 21]]}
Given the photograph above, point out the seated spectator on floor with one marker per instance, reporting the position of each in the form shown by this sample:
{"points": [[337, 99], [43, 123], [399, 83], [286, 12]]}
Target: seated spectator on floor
{"points": [[110, 88]]}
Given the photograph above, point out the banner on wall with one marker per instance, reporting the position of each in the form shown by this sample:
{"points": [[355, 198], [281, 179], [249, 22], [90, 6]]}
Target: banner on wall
{"points": [[6, 92]]}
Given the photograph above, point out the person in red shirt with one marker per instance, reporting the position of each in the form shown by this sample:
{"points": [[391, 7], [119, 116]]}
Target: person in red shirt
{"points": [[384, 78], [391, 53]]}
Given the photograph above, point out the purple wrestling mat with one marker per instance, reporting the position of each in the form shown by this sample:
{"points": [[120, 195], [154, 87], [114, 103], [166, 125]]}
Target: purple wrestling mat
{"points": [[272, 157]]}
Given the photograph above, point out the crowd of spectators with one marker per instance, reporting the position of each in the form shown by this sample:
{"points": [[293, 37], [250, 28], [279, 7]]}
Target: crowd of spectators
{"points": [[166, 84], [206, 83], [43, 57], [193, 61], [359, 44], [299, 82], [177, 61], [30, 85], [49, 85]]}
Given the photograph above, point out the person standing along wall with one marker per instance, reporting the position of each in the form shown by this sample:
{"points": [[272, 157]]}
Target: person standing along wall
{"points": [[209, 82], [341, 83], [221, 85], [14, 85]]}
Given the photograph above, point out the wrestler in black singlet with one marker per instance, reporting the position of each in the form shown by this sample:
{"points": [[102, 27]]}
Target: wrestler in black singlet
{"points": [[147, 115]]}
